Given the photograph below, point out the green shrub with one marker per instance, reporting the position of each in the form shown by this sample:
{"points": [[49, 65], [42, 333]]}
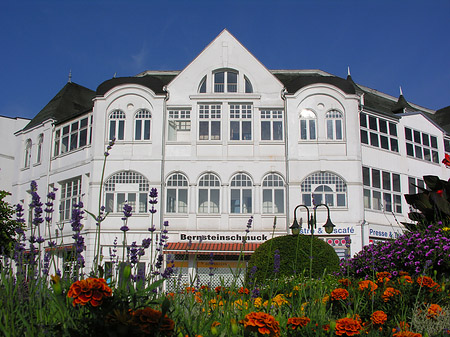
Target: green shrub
{"points": [[291, 260]]}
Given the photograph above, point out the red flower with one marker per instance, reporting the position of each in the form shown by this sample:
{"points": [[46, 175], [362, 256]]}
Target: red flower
{"points": [[339, 294], [345, 282], [150, 321], [389, 292], [446, 160], [367, 284], [378, 317], [91, 290], [297, 322], [243, 290], [347, 327], [262, 323]]}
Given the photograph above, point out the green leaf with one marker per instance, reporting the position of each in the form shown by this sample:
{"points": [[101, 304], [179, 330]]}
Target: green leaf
{"points": [[434, 183]]}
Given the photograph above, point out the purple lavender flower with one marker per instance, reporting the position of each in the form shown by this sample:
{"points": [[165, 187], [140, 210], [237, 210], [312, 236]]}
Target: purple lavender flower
{"points": [[153, 200]]}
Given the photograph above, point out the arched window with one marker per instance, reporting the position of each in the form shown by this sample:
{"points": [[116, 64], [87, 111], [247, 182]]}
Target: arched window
{"points": [[126, 187], [177, 194], [142, 124], [248, 86], [202, 86], [333, 120], [209, 194], [117, 125], [324, 188], [27, 159], [273, 194], [241, 194], [39, 148], [307, 125], [225, 81]]}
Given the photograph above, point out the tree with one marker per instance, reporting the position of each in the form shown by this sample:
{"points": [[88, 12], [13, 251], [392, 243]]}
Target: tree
{"points": [[7, 225]]}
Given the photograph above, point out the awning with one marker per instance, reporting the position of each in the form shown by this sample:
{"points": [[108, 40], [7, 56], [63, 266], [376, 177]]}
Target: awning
{"points": [[205, 248]]}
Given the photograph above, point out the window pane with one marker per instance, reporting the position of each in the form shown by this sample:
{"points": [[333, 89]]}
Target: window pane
{"points": [[397, 204], [267, 201], [383, 126], [303, 129], [395, 182], [121, 133], [376, 200], [120, 201], [366, 176], [411, 185], [109, 202], [338, 129], [340, 199], [386, 181], [279, 201], [418, 151], [142, 202], [312, 129], [138, 130], [215, 130], [246, 130], [392, 129], [182, 202], [214, 202], [329, 199], [366, 198], [306, 199], [417, 137], [83, 137], [219, 82], [73, 141], [247, 201], [171, 198], [435, 157], [394, 145], [376, 178], [364, 137], [408, 133], [374, 139], [235, 201], [426, 154], [232, 82], [265, 130], [409, 149], [387, 198], [425, 139], [277, 131], [373, 123], [363, 120], [434, 142], [203, 201], [234, 130], [330, 129], [384, 142]]}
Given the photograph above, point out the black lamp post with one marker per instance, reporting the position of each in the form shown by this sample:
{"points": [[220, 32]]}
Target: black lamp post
{"points": [[312, 224]]}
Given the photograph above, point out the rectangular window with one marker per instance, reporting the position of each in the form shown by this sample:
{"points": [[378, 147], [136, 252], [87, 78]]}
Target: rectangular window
{"points": [[378, 132], [71, 136], [240, 122], [70, 195], [179, 125], [382, 190], [421, 145], [209, 121]]}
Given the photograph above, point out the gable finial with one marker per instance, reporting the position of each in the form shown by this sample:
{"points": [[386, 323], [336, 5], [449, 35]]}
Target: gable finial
{"points": [[115, 74], [70, 76], [348, 71], [401, 91]]}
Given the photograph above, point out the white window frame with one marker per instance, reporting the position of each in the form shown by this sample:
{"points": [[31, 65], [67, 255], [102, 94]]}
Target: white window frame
{"points": [[378, 132], [39, 148], [70, 195], [272, 125], [330, 187], [210, 117], [208, 190], [116, 129], [177, 191], [142, 125], [421, 145], [334, 121], [241, 122], [126, 187], [382, 190], [27, 153], [241, 194], [226, 86], [273, 194], [308, 125], [73, 135], [179, 125]]}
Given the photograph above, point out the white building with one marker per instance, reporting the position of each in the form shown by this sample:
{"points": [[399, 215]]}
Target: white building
{"points": [[225, 139]]}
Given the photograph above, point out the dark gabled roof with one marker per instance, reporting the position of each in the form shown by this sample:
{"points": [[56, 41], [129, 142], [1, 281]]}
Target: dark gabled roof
{"points": [[154, 82], [442, 117], [71, 101], [293, 81]]}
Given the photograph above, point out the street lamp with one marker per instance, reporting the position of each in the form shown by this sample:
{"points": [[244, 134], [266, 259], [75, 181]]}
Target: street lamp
{"points": [[312, 224]]}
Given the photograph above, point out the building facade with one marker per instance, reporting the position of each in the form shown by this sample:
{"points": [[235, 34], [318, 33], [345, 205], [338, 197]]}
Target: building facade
{"points": [[226, 139]]}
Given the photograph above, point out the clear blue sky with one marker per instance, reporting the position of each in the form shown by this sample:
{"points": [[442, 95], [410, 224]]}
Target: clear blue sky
{"points": [[387, 44]]}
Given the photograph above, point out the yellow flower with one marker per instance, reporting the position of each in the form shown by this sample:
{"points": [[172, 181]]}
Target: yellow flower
{"points": [[446, 229], [279, 300], [258, 302]]}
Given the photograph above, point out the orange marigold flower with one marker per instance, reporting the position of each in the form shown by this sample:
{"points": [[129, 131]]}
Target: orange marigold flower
{"points": [[345, 282], [403, 273], [198, 297], [149, 321], [405, 279], [378, 317], [426, 281], [262, 323], [339, 294], [407, 334], [367, 284], [326, 327], [389, 292], [297, 322], [219, 289], [347, 327], [434, 311], [243, 290], [190, 290], [91, 290], [383, 277]]}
